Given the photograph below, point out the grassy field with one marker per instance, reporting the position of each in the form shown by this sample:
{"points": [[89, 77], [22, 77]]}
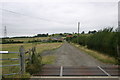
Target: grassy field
{"points": [[100, 56], [40, 47], [28, 39]]}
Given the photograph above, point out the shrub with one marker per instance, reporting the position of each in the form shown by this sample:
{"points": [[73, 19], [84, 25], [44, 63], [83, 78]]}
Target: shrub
{"points": [[34, 64]]}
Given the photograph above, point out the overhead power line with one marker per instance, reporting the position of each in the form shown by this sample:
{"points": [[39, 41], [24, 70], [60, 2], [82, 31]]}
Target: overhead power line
{"points": [[30, 16], [24, 14]]}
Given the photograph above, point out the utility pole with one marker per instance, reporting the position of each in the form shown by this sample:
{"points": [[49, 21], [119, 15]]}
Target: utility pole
{"points": [[5, 32], [78, 33]]}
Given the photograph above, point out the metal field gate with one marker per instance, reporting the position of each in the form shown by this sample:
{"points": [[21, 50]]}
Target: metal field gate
{"points": [[20, 58]]}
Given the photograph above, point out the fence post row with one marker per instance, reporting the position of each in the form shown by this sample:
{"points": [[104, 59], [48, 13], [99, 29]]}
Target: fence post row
{"points": [[22, 60]]}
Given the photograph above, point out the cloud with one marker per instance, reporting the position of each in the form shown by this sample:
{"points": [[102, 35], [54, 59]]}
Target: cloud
{"points": [[54, 16]]}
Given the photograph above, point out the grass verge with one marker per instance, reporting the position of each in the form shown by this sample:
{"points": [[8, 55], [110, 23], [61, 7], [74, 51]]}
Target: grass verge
{"points": [[99, 56]]}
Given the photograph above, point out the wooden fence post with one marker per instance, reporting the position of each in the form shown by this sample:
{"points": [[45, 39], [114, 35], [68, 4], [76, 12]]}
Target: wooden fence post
{"points": [[22, 60]]}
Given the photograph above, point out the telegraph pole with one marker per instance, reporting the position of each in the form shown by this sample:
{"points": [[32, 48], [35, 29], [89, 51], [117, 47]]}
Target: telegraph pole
{"points": [[5, 32], [78, 33]]}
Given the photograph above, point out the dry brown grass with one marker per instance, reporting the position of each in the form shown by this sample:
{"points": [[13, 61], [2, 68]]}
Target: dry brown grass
{"points": [[28, 39], [47, 46]]}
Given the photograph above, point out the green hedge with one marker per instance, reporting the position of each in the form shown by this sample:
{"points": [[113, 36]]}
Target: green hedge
{"points": [[104, 41], [10, 41]]}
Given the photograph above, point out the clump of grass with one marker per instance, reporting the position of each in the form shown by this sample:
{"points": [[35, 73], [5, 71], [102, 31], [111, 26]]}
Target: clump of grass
{"points": [[48, 59], [100, 56], [26, 76]]}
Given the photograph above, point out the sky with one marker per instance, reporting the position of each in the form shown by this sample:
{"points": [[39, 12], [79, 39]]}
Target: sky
{"points": [[28, 18]]}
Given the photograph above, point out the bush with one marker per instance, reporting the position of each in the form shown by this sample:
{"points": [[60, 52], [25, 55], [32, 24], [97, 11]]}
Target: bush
{"points": [[34, 64]]}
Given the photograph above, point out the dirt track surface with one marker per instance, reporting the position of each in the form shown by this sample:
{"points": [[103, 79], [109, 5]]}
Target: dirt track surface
{"points": [[68, 55]]}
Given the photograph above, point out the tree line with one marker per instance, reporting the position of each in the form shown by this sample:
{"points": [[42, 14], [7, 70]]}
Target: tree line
{"points": [[104, 41]]}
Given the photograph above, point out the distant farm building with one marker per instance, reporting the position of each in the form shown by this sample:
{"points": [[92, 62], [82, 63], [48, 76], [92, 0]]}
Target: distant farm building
{"points": [[56, 38], [69, 36]]}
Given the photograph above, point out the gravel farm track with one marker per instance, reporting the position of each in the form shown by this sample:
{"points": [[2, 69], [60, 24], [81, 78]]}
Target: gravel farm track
{"points": [[68, 55]]}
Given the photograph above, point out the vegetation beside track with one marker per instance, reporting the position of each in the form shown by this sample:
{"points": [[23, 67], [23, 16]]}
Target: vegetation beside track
{"points": [[40, 47], [106, 42]]}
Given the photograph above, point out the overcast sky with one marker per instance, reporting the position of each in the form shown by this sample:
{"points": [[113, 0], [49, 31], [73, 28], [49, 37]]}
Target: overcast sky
{"points": [[57, 16]]}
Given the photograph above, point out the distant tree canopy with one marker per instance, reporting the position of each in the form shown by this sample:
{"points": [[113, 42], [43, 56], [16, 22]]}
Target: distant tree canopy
{"points": [[92, 32], [22, 37], [9, 41], [61, 34], [42, 35], [83, 32]]}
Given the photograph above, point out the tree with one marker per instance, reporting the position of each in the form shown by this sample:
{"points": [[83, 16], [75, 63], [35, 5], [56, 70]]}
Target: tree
{"points": [[92, 32], [83, 32]]}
